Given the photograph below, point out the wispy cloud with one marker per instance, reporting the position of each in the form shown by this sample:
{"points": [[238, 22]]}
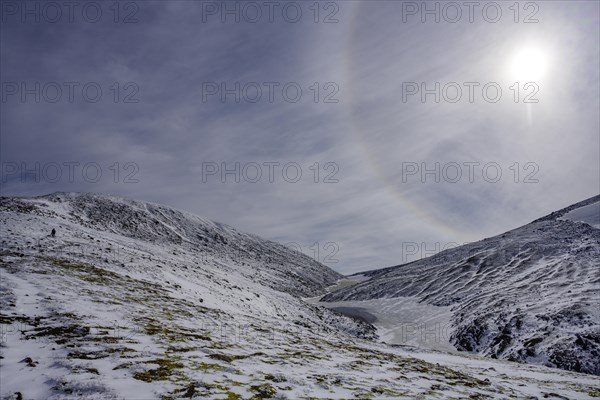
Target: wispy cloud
{"points": [[369, 136]]}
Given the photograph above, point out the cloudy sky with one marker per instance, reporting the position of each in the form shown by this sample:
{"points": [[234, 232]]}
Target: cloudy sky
{"points": [[366, 133]]}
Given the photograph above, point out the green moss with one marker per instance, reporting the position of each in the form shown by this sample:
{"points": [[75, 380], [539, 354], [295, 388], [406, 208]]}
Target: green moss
{"points": [[172, 333], [206, 367], [220, 345], [264, 391], [231, 357], [188, 392], [97, 354], [278, 378], [105, 339], [92, 355], [479, 396], [86, 272], [166, 369], [153, 327], [181, 349], [159, 374], [303, 355], [62, 331], [363, 395]]}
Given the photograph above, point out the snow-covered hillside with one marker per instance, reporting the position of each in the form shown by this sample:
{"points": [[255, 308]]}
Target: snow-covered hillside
{"points": [[168, 231], [132, 300], [530, 295]]}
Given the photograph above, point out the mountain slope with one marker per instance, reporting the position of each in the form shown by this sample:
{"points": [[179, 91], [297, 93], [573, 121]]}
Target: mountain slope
{"points": [[137, 301], [275, 265], [529, 295]]}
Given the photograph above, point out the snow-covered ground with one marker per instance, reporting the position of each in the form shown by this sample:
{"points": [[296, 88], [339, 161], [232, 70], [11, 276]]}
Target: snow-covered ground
{"points": [[132, 300], [529, 295]]}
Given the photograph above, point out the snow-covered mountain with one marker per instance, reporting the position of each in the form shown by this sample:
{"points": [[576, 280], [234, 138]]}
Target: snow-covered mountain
{"points": [[173, 231], [529, 295], [131, 300]]}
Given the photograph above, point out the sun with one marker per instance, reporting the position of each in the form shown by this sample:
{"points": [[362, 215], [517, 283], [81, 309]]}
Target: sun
{"points": [[529, 64]]}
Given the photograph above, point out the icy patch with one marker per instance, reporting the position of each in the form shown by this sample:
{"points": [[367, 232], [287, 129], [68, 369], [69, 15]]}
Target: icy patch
{"points": [[403, 321]]}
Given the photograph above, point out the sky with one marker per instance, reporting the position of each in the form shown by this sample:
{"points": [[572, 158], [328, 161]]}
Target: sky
{"points": [[363, 133]]}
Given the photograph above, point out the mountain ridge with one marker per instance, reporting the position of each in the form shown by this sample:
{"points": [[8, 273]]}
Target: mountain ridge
{"points": [[552, 215], [145, 303], [527, 295], [174, 227]]}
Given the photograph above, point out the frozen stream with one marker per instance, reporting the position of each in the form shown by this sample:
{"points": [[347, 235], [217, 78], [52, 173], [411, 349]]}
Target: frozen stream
{"points": [[401, 320]]}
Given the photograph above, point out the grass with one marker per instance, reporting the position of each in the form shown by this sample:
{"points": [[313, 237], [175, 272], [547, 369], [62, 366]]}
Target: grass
{"points": [[166, 369], [232, 357], [263, 391], [171, 333], [207, 367]]}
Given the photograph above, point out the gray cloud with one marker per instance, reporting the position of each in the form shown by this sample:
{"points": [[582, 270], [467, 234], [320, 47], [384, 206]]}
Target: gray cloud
{"points": [[368, 135]]}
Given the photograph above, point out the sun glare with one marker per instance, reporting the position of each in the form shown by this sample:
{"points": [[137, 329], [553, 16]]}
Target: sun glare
{"points": [[529, 64]]}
